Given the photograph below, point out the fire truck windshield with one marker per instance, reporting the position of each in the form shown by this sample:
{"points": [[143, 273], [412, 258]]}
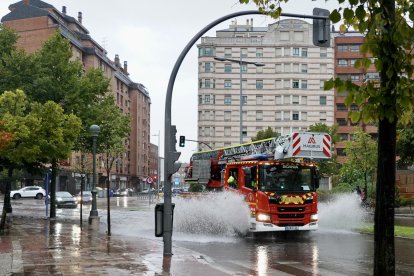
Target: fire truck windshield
{"points": [[284, 178]]}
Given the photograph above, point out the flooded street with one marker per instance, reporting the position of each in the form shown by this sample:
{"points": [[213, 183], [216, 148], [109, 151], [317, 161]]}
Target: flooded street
{"points": [[216, 232]]}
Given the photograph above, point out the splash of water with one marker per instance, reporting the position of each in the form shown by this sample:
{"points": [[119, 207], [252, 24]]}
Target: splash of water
{"points": [[343, 213], [216, 214]]}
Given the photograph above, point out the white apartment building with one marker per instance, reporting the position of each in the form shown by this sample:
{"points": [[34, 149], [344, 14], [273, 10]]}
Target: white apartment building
{"points": [[285, 94]]}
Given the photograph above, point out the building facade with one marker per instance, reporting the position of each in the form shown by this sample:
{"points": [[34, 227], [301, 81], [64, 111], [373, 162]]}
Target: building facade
{"points": [[285, 94], [35, 21], [347, 52]]}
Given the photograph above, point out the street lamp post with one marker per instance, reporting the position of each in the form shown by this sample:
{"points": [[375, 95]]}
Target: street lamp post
{"points": [[241, 62], [94, 130]]}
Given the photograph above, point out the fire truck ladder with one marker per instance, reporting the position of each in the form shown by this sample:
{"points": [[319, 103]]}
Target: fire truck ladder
{"points": [[263, 147]]}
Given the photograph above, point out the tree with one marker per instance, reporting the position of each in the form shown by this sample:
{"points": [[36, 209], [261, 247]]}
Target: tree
{"points": [[361, 160], [389, 39], [114, 129], [265, 134], [42, 135], [405, 144]]}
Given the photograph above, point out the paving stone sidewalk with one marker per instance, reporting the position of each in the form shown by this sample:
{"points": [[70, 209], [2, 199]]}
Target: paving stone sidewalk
{"points": [[36, 246]]}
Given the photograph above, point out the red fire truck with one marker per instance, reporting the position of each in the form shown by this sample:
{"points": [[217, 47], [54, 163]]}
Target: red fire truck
{"points": [[276, 176]]}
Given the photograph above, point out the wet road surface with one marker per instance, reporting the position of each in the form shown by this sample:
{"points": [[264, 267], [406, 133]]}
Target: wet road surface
{"points": [[332, 250]]}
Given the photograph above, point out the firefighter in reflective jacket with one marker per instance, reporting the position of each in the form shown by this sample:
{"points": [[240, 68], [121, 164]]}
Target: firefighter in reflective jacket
{"points": [[232, 181]]}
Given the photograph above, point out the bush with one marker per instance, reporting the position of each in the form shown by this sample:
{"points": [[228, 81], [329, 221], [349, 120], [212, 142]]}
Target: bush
{"points": [[196, 187], [406, 201]]}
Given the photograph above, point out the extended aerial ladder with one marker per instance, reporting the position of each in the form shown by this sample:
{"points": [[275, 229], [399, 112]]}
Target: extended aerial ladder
{"points": [[205, 165]]}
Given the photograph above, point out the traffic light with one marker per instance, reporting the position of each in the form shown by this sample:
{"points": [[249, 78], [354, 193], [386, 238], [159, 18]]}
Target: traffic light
{"points": [[173, 139], [173, 165], [321, 28], [182, 141]]}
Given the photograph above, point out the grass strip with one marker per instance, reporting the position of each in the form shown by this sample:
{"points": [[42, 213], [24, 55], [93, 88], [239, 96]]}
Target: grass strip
{"points": [[399, 231]]}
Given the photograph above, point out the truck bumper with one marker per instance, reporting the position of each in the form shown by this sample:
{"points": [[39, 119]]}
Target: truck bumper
{"points": [[257, 226]]}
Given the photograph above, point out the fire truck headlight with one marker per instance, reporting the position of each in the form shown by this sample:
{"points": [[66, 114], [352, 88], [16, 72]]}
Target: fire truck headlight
{"points": [[314, 217], [263, 217]]}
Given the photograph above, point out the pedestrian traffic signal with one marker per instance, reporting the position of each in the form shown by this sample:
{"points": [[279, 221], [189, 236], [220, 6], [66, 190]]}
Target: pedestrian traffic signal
{"points": [[321, 28], [182, 141]]}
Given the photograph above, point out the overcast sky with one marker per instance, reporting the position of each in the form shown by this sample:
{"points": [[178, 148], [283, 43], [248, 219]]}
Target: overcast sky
{"points": [[150, 35]]}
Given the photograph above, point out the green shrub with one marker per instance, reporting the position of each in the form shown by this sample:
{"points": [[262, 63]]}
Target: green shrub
{"points": [[196, 187]]}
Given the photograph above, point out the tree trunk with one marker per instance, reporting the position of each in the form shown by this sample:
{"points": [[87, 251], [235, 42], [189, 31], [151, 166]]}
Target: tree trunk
{"points": [[384, 258], [53, 189], [7, 208], [108, 203]]}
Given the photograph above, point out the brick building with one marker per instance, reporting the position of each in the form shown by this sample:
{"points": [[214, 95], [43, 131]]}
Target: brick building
{"points": [[35, 21]]}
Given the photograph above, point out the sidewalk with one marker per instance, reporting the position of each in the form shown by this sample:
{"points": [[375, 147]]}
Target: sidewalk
{"points": [[60, 247]]}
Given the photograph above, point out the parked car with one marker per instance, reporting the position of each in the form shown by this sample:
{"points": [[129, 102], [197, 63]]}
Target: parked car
{"points": [[149, 191], [29, 191], [121, 192], [86, 197], [65, 200]]}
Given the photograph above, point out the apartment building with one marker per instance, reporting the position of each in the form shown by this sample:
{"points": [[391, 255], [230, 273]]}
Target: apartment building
{"points": [[35, 21], [285, 94], [347, 52]]}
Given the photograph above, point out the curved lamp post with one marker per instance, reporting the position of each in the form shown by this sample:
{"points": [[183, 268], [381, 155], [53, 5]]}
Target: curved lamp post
{"points": [[94, 130], [241, 62]]}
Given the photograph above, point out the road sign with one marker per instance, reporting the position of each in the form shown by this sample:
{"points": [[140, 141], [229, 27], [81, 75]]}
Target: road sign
{"points": [[150, 180]]}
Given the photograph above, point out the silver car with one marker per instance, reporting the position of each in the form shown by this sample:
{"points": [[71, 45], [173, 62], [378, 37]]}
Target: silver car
{"points": [[86, 197], [65, 200], [29, 191]]}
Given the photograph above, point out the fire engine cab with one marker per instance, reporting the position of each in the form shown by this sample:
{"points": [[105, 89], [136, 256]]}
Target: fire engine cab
{"points": [[277, 177]]}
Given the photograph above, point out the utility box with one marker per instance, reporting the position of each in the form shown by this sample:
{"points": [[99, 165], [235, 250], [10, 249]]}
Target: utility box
{"points": [[159, 218]]}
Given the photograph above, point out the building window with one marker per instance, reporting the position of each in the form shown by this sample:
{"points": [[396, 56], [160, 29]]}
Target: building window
{"points": [[200, 99], [341, 121], [295, 116], [244, 131], [354, 77], [304, 84], [227, 84], [354, 48], [287, 51], [227, 115], [206, 52], [227, 131], [284, 36], [322, 100], [340, 152], [304, 116], [207, 83], [259, 69], [323, 52], [259, 115], [295, 52], [227, 52], [352, 62], [227, 99], [304, 100], [354, 107], [295, 84], [342, 62], [341, 107], [259, 52], [322, 116], [227, 68], [259, 99], [259, 84], [278, 100], [298, 36], [342, 48], [278, 116], [343, 136], [304, 68], [207, 99], [278, 83], [243, 52], [278, 68], [278, 52], [244, 68], [286, 99], [295, 99], [244, 100], [244, 84], [207, 67], [304, 52]]}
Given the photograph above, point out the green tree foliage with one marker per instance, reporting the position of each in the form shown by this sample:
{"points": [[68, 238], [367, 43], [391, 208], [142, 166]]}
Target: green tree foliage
{"points": [[265, 134], [387, 26], [42, 133], [360, 166], [405, 144]]}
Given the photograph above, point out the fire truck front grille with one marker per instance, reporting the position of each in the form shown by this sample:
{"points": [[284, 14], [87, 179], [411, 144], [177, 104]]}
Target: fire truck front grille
{"points": [[291, 209], [283, 216]]}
